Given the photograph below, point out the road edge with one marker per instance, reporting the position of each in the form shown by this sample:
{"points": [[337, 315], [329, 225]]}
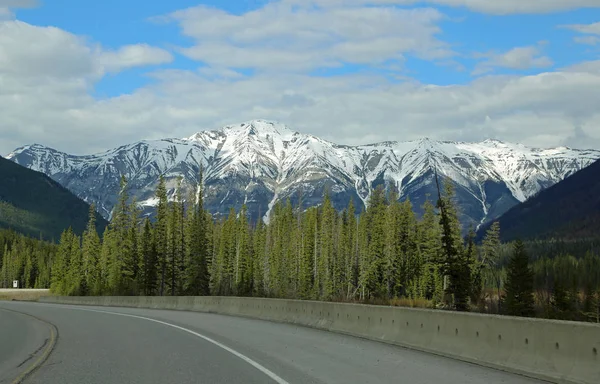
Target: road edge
{"points": [[47, 347]]}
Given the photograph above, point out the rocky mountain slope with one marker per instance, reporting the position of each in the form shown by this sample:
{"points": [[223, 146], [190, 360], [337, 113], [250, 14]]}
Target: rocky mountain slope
{"points": [[33, 204], [568, 210], [259, 162]]}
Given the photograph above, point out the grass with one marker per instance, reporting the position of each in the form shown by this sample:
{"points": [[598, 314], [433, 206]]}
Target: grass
{"points": [[411, 303], [23, 294]]}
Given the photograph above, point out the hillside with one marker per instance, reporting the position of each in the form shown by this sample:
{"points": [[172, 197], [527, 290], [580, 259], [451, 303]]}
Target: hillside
{"points": [[568, 210], [259, 162], [35, 205]]}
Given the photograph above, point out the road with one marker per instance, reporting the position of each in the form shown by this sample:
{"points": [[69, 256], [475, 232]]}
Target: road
{"points": [[130, 345]]}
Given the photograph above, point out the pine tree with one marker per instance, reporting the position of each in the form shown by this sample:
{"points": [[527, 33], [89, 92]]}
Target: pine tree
{"points": [[429, 244], [452, 265], [149, 267], [60, 267], [131, 260], [491, 255], [519, 299], [74, 277], [372, 282], [197, 239], [258, 259], [327, 255], [91, 255], [161, 236], [306, 270], [175, 249], [119, 224], [351, 250]]}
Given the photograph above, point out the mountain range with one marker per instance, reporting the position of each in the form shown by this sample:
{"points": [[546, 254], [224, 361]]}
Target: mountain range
{"points": [[569, 210], [33, 204], [260, 162]]}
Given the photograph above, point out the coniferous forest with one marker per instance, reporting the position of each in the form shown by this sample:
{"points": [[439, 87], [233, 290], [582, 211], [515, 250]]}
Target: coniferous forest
{"points": [[385, 255]]}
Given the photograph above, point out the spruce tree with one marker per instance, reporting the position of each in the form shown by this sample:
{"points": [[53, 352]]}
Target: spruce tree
{"points": [[429, 241], [91, 255], [161, 235], [197, 243], [148, 269], [60, 267], [453, 264], [491, 256], [518, 298]]}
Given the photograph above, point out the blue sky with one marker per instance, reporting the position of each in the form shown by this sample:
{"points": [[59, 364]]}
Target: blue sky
{"points": [[114, 23], [250, 54]]}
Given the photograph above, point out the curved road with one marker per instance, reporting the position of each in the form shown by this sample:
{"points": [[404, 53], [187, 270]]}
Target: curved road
{"points": [[129, 345]]}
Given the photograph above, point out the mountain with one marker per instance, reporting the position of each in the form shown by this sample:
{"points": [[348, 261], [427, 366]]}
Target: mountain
{"points": [[567, 210], [35, 205], [259, 162]]}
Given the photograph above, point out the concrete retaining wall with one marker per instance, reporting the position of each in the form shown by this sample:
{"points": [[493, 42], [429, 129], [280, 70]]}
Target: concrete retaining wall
{"points": [[557, 351]]}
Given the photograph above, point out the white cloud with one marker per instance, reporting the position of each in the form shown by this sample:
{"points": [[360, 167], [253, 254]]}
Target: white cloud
{"points": [[18, 3], [133, 56], [7, 6], [540, 110], [280, 36], [587, 40], [6, 14], [27, 50], [591, 29], [47, 74], [516, 58], [592, 67], [32, 51], [496, 7]]}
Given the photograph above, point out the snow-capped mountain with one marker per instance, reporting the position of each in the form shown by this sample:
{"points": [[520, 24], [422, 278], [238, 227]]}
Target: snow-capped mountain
{"points": [[259, 162]]}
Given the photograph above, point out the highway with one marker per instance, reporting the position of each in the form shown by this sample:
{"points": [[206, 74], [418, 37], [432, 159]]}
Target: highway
{"points": [[129, 345]]}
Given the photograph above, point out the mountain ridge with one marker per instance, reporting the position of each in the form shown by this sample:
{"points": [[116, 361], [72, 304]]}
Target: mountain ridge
{"points": [[259, 161], [35, 205], [568, 210]]}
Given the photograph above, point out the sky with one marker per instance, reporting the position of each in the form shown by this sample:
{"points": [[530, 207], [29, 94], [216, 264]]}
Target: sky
{"points": [[86, 76]]}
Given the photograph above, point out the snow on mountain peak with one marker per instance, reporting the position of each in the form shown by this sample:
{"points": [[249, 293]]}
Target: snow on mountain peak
{"points": [[261, 128], [267, 156]]}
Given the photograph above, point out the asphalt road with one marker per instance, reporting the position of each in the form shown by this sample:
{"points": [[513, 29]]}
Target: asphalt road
{"points": [[22, 341], [127, 345]]}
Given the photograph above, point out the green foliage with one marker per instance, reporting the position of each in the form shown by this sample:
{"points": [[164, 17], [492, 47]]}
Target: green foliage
{"points": [[519, 300], [33, 204], [25, 259], [384, 255]]}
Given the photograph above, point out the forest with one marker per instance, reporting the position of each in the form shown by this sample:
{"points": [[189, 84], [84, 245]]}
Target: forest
{"points": [[386, 255]]}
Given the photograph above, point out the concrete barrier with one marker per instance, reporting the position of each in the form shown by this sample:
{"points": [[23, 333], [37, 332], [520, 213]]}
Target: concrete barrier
{"points": [[556, 351]]}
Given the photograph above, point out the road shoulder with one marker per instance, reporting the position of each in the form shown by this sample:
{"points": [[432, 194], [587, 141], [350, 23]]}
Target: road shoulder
{"points": [[25, 343]]}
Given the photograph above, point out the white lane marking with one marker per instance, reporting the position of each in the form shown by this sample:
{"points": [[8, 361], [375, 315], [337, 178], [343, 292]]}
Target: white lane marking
{"points": [[248, 360]]}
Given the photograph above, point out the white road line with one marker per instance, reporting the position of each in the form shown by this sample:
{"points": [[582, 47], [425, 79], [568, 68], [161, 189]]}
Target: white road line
{"points": [[248, 360]]}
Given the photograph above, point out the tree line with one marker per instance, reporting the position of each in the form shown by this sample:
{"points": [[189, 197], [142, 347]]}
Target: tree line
{"points": [[27, 260], [386, 255]]}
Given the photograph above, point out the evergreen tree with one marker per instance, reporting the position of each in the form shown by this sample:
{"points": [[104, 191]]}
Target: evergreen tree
{"points": [[175, 248], [519, 299], [491, 256], [91, 255], [148, 257], [60, 268], [327, 256], [161, 235], [453, 264], [197, 240], [429, 245], [372, 271], [75, 279]]}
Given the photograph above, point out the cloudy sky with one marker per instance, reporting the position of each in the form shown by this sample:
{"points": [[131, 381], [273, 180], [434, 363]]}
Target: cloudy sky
{"points": [[85, 76]]}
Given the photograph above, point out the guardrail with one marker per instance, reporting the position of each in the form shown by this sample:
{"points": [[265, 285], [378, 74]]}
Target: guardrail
{"points": [[556, 351]]}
